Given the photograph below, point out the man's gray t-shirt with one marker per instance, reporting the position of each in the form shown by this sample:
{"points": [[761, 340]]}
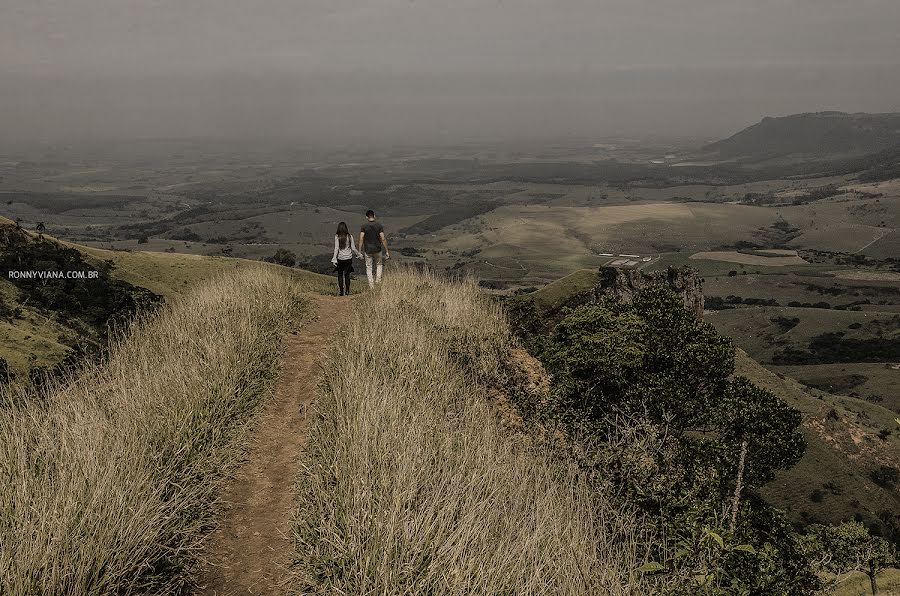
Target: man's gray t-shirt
{"points": [[372, 236]]}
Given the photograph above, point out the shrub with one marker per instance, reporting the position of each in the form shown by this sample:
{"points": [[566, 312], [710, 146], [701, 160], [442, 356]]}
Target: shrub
{"points": [[885, 476], [187, 235], [651, 365], [284, 257]]}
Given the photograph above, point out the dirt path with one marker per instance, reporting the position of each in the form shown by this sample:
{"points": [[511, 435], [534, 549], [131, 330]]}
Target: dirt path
{"points": [[251, 551]]}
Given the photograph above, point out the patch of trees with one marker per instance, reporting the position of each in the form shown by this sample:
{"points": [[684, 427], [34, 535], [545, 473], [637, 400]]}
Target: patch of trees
{"points": [[647, 396], [318, 264], [731, 301], [187, 235], [849, 547], [798, 304], [885, 476], [831, 291], [850, 259], [833, 348], [760, 199], [778, 235], [785, 324], [818, 194], [283, 257], [493, 284]]}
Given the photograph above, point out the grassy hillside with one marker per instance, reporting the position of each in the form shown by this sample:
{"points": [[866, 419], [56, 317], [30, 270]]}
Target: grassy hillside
{"points": [[34, 335], [556, 294], [809, 344], [832, 482], [109, 479], [410, 485]]}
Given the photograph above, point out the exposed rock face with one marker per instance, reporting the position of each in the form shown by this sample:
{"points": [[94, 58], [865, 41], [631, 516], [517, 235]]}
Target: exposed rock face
{"points": [[622, 284]]}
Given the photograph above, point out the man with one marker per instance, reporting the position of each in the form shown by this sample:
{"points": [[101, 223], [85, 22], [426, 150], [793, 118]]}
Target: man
{"points": [[371, 240]]}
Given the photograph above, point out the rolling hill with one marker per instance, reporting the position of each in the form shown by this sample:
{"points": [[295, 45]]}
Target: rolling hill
{"points": [[820, 133]]}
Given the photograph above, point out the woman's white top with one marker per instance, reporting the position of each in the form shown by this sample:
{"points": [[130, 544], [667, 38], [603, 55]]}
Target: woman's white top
{"points": [[344, 253]]}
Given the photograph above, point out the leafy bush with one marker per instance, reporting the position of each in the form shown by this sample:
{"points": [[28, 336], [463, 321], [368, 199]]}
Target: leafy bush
{"points": [[885, 476], [848, 547], [647, 394], [187, 235], [785, 324], [833, 347], [283, 257]]}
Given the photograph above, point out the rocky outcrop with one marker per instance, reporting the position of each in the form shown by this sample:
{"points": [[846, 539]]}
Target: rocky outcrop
{"points": [[622, 284]]}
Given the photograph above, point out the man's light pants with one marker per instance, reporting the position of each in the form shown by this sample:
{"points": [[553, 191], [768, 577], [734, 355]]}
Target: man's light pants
{"points": [[376, 279]]}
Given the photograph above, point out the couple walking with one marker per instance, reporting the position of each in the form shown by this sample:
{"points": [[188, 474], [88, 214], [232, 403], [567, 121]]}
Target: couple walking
{"points": [[371, 239]]}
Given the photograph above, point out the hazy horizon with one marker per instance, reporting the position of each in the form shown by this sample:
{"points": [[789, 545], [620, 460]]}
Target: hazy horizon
{"points": [[429, 72]]}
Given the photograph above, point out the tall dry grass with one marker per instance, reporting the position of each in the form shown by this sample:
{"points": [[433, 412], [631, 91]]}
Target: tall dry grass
{"points": [[108, 481], [410, 486]]}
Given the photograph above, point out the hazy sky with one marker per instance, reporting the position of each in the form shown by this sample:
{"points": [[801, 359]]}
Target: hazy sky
{"points": [[438, 69]]}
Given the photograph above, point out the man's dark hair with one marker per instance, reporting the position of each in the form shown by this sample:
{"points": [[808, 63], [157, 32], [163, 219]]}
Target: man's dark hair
{"points": [[370, 213]]}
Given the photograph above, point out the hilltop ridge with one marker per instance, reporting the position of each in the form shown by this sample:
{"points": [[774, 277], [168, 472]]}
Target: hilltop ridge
{"points": [[813, 133]]}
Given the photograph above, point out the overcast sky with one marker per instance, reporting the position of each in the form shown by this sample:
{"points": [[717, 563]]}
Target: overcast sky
{"points": [[437, 69]]}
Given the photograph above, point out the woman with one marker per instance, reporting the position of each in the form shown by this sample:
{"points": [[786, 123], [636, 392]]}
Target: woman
{"points": [[344, 250]]}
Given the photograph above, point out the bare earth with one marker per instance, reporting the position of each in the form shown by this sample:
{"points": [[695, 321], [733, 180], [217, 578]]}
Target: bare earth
{"points": [[251, 551]]}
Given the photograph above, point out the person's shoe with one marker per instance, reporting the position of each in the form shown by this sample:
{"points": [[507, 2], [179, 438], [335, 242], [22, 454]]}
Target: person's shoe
{"points": [[341, 293]]}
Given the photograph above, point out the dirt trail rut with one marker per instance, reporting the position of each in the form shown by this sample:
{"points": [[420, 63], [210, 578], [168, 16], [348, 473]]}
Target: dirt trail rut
{"points": [[251, 551]]}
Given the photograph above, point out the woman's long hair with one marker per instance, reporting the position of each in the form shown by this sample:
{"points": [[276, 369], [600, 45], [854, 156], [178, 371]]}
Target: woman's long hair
{"points": [[343, 234]]}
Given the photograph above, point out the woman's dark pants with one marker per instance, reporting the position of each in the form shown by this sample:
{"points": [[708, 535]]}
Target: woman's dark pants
{"points": [[344, 269]]}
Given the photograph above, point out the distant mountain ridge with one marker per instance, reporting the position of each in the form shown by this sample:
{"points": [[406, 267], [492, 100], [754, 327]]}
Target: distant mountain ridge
{"points": [[819, 133]]}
